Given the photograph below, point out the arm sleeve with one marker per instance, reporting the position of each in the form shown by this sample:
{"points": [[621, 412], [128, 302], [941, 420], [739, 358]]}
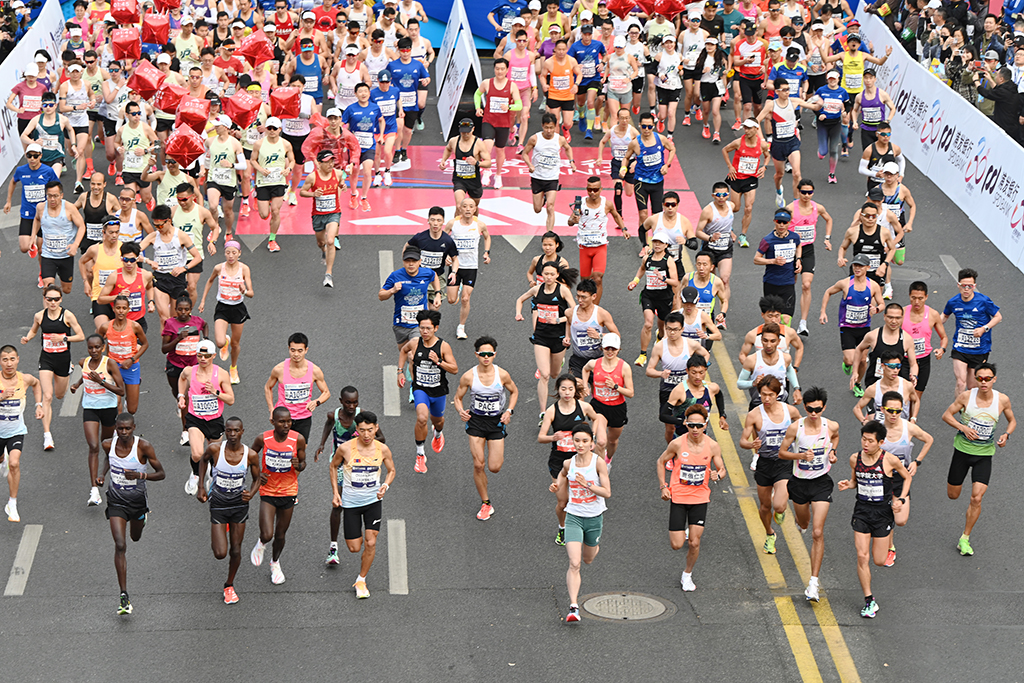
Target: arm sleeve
{"points": [[792, 378], [902, 161], [240, 162], [744, 381], [863, 169], [478, 99], [720, 403], [671, 414]]}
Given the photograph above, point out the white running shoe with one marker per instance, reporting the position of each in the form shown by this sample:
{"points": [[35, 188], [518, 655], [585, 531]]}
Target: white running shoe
{"points": [[811, 593], [220, 212], [387, 179], [497, 182], [12, 511], [460, 332], [4, 469], [687, 583], [485, 177], [47, 441], [94, 497], [192, 485], [780, 199], [802, 329], [276, 575], [887, 292], [256, 556], [292, 199], [329, 280], [378, 180], [183, 441]]}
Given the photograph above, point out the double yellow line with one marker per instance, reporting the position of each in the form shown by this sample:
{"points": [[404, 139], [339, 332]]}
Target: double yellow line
{"points": [[748, 503]]}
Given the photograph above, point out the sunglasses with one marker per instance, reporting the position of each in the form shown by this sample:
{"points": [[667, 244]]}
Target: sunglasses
{"points": [[33, 155], [125, 259], [695, 425], [869, 215], [884, 135], [984, 379], [721, 194], [806, 191], [273, 128], [894, 411], [52, 298], [814, 409], [485, 354], [781, 222], [204, 355], [965, 286], [670, 205], [90, 62], [49, 104], [893, 366], [645, 126]]}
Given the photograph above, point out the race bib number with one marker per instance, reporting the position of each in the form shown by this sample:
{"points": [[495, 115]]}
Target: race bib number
{"points": [[166, 262], [580, 494], [967, 339], [722, 243], [465, 169], [519, 74], [293, 126], [756, 61], [870, 491], [365, 139], [428, 375], [312, 84], [408, 314], [189, 346], [222, 176], [346, 92], [585, 342], [619, 152], [93, 388], [675, 376], [652, 159], [545, 160], [118, 479], [230, 290], [94, 231], [705, 306], [298, 392], [32, 103], [588, 69], [561, 82], [134, 301], [55, 244], [252, 135], [54, 343], [547, 314], [591, 237], [275, 175], [387, 108], [565, 444], [10, 409], [327, 203], [806, 232], [785, 251], [876, 261], [919, 346], [747, 165], [365, 476], [204, 405], [278, 461], [854, 81], [655, 280], [228, 482], [605, 394], [794, 86], [833, 106], [35, 194], [408, 99], [872, 115], [897, 209], [785, 129], [692, 475], [498, 105], [49, 141], [983, 428], [486, 404], [856, 315], [431, 259]]}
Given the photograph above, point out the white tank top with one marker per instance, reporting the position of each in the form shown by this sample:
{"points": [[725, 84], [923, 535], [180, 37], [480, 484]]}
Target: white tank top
{"points": [[693, 43], [879, 413], [902, 448], [487, 399], [676, 365], [619, 144], [582, 502], [675, 232], [169, 255], [583, 345], [783, 343], [592, 230], [467, 239], [772, 433], [347, 82], [668, 68], [776, 369], [691, 328], [722, 225], [820, 444], [545, 157], [78, 119], [130, 230], [230, 288], [228, 479], [784, 120], [374, 64]]}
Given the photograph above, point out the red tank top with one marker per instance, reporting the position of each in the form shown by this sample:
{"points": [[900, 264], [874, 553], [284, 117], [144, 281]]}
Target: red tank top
{"points": [[746, 160], [498, 102], [602, 394], [121, 345], [136, 293], [276, 461], [690, 479], [329, 201]]}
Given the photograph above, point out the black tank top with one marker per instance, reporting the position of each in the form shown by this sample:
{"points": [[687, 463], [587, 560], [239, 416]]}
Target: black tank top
{"points": [[873, 487], [428, 376], [703, 400], [872, 246], [565, 423], [93, 216], [874, 371], [57, 326], [467, 170], [661, 265], [547, 304], [539, 268], [875, 160]]}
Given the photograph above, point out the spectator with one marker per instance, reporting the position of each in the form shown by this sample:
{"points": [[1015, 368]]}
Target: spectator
{"points": [[958, 71], [958, 12], [1017, 68], [990, 39], [999, 88]]}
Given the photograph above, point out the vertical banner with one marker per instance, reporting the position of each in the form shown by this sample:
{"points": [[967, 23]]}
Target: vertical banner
{"points": [[450, 89], [458, 25], [45, 34]]}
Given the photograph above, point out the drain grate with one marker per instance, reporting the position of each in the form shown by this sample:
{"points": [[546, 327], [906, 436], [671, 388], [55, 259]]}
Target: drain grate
{"points": [[627, 607]]}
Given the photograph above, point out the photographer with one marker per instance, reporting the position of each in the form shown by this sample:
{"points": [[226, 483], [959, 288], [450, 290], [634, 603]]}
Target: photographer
{"points": [[1009, 112], [959, 70]]}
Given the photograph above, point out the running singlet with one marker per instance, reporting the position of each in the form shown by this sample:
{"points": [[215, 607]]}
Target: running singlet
{"points": [[772, 433], [545, 157], [855, 307], [467, 241], [776, 370], [592, 230], [582, 502], [328, 202], [602, 393], [920, 332], [650, 161], [487, 400], [690, 483], [562, 424], [103, 267], [983, 420], [121, 491], [360, 477], [12, 411], [496, 111], [135, 291], [295, 393], [583, 345], [201, 404], [872, 484], [676, 366], [276, 461], [805, 224], [428, 376], [466, 168], [122, 344], [273, 158], [58, 233], [228, 480], [561, 77], [747, 158], [230, 288], [820, 444]]}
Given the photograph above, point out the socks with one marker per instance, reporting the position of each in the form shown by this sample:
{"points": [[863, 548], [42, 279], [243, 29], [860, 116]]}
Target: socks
{"points": [[486, 502], [419, 448], [963, 537], [259, 543], [273, 236], [361, 578], [814, 581], [437, 432], [832, 165], [591, 115], [195, 467], [334, 545], [868, 599]]}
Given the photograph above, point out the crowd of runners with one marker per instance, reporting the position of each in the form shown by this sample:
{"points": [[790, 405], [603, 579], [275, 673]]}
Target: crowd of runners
{"points": [[152, 238]]}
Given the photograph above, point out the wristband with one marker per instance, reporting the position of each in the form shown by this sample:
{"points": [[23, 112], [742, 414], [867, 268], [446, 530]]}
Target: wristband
{"points": [[664, 486], [918, 463]]}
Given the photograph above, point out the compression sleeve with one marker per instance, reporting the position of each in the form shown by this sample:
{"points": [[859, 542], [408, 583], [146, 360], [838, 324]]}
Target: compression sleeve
{"points": [[791, 378], [720, 403], [744, 381], [478, 99]]}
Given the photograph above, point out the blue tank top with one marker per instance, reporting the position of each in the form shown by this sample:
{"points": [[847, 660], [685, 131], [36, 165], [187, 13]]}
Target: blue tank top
{"points": [[855, 307], [313, 74], [649, 161]]}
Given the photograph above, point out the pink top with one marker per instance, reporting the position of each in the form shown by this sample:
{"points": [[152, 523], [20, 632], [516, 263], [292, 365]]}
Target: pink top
{"points": [[519, 69], [29, 99], [201, 404], [805, 225], [295, 392], [921, 332]]}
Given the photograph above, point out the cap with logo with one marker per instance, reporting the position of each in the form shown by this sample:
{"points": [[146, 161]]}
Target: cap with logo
{"points": [[272, 122], [411, 254], [689, 295], [861, 260], [333, 111]]}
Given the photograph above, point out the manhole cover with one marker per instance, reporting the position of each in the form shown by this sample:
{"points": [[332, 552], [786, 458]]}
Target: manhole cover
{"points": [[627, 607]]}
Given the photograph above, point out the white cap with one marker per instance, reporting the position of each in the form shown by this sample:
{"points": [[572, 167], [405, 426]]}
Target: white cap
{"points": [[534, 5], [222, 120], [750, 123], [187, 19], [519, 20], [934, 4], [711, 39], [333, 111], [34, 147], [611, 341], [108, 18], [891, 167], [620, 41], [352, 50], [163, 58], [74, 67], [75, 30], [662, 236], [17, 4], [39, 59], [308, 15], [832, 74], [207, 346], [272, 122], [668, 37], [586, 14], [31, 69]]}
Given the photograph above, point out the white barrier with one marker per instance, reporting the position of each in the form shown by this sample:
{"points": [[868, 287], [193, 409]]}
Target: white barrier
{"points": [[961, 150], [44, 35], [458, 25]]}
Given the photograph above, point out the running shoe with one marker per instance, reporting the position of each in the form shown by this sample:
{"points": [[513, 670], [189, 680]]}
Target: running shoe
{"points": [[244, 211], [780, 517], [119, 180], [256, 556], [581, 121], [364, 204], [273, 247], [963, 545], [887, 291], [705, 132], [802, 329], [635, 110], [33, 251], [737, 124], [397, 156], [230, 596], [337, 243], [574, 614], [353, 201], [292, 198], [858, 390], [497, 181], [460, 333], [387, 179], [661, 126], [12, 511], [329, 280], [192, 484], [686, 583], [405, 155], [832, 179], [753, 463], [870, 610], [79, 188], [220, 210], [588, 134], [686, 120], [847, 369], [716, 139], [421, 464], [743, 241], [112, 168], [332, 556], [789, 167], [641, 360], [39, 284], [844, 153], [378, 180], [47, 441], [362, 592], [183, 441], [890, 558], [811, 592], [485, 177], [125, 606], [419, 126], [437, 443], [225, 350], [540, 420], [94, 497], [233, 373], [485, 512], [769, 544], [560, 537], [780, 199], [276, 575]]}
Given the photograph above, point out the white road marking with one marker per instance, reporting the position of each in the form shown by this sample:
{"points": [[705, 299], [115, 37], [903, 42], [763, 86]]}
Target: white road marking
{"points": [[252, 241], [398, 566], [951, 265], [27, 552], [387, 264], [520, 242], [392, 397], [69, 407]]}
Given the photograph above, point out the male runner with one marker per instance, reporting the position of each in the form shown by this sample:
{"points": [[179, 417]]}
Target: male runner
{"points": [[591, 56], [13, 393], [672, 352], [789, 342], [541, 153], [974, 414], [409, 76], [780, 252], [437, 248], [867, 361], [585, 326], [272, 159], [229, 499], [409, 286], [920, 321], [294, 379], [95, 205], [560, 77], [591, 219], [33, 177], [356, 467], [867, 237], [366, 121], [466, 230], [189, 216], [879, 152], [60, 229], [469, 154], [715, 229], [654, 154], [694, 390], [861, 299], [137, 139], [785, 145], [174, 253], [324, 186], [283, 457], [221, 165], [710, 289], [891, 363], [975, 316], [502, 106]]}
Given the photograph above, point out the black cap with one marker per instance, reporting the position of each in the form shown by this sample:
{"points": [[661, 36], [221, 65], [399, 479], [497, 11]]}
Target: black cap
{"points": [[870, 72], [876, 193], [466, 123], [324, 154], [587, 28], [411, 254], [690, 295], [749, 31], [793, 53]]}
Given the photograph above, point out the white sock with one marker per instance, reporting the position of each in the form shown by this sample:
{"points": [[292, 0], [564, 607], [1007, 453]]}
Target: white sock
{"points": [[259, 543], [419, 449], [334, 545], [46, 433], [687, 575], [12, 500], [361, 578], [814, 581]]}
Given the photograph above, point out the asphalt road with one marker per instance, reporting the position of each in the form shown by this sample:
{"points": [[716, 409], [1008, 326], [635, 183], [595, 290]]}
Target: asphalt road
{"points": [[486, 600]]}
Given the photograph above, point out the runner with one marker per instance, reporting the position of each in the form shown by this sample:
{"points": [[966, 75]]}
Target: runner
{"points": [[409, 76], [900, 203], [466, 230], [294, 379], [431, 359], [591, 218], [493, 397], [583, 480], [715, 228], [975, 316], [132, 282], [669, 82], [541, 153], [871, 107], [623, 72], [283, 457], [466, 179], [60, 230], [551, 300], [75, 98], [868, 238], [522, 72], [437, 248], [560, 78], [890, 337], [871, 470], [750, 61], [612, 379], [789, 342], [861, 299], [654, 155], [830, 102], [203, 391], [97, 264], [811, 444], [585, 328], [695, 390], [503, 104], [48, 129], [780, 253], [324, 185], [711, 69], [173, 258], [388, 100], [94, 206], [806, 213], [694, 459], [766, 427], [590, 56], [272, 159], [746, 168], [58, 328], [697, 325], [673, 352], [103, 390], [366, 121], [551, 245], [180, 337], [710, 291], [879, 152], [785, 145], [618, 138], [137, 140], [409, 286], [221, 165], [974, 414], [356, 467], [128, 461], [892, 362], [134, 223], [919, 320], [14, 387], [900, 434], [33, 177]]}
